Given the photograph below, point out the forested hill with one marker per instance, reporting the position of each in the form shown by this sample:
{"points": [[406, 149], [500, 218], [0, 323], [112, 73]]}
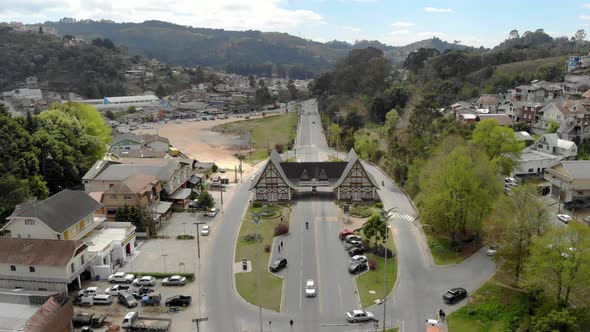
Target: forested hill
{"points": [[242, 52], [90, 70]]}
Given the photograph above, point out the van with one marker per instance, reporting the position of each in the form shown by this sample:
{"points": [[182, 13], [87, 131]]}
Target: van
{"points": [[102, 299], [126, 299]]}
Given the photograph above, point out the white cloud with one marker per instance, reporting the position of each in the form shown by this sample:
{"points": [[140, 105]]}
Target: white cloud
{"points": [[437, 10], [349, 28], [399, 32], [585, 17], [586, 5], [266, 15], [401, 24]]}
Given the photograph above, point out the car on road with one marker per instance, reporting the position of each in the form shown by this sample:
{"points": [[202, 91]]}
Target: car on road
{"points": [[222, 170], [356, 251], [121, 277], [360, 316], [454, 295], [492, 249], [278, 264], [344, 233], [564, 218], [358, 259], [114, 290], [174, 281], [178, 301], [310, 288], [205, 230], [510, 182], [212, 212], [357, 268], [144, 281]]}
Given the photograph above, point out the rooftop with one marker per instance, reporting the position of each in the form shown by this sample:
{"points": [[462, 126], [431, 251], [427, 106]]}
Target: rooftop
{"points": [[38, 251], [101, 240]]}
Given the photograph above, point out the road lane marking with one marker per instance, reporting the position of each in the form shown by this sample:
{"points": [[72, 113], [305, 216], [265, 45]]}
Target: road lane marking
{"points": [[317, 257]]}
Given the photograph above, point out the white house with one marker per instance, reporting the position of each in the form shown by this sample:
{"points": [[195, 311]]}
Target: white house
{"points": [[67, 215], [42, 264], [573, 119], [546, 152]]}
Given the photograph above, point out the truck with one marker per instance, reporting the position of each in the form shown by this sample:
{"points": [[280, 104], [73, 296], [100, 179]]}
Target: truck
{"points": [[134, 322], [82, 319]]}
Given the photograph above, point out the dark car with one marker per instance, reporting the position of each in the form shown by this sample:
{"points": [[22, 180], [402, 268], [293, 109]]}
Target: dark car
{"points": [[178, 301], [351, 238], [357, 268], [138, 293], [356, 251], [455, 295], [354, 244], [278, 264]]}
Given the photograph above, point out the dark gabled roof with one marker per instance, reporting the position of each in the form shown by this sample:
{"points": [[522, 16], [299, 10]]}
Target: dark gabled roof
{"points": [[351, 159], [333, 170], [126, 136], [276, 160], [59, 211]]}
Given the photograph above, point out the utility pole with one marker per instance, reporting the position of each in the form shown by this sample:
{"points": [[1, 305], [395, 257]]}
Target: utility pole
{"points": [[256, 218], [198, 241]]}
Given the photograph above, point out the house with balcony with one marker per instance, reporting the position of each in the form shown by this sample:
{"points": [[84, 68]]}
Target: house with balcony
{"points": [[573, 119], [570, 181], [110, 246], [67, 215], [576, 84], [42, 264], [546, 152]]}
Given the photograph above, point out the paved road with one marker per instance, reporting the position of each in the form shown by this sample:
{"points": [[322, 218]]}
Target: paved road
{"points": [[316, 253]]}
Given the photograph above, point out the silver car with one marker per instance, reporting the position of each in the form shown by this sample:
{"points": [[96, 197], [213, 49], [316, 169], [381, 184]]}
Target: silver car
{"points": [[359, 316], [174, 281], [144, 281]]}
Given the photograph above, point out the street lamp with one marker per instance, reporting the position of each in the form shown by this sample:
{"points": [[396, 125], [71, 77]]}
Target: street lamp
{"points": [[385, 215], [164, 255], [256, 219], [184, 226]]}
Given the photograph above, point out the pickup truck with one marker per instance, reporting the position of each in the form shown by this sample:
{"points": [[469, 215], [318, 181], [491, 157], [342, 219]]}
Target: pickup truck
{"points": [[88, 319], [178, 301], [133, 322]]}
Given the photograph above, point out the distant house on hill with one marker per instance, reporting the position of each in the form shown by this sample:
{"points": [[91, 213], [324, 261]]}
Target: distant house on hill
{"points": [[573, 119]]}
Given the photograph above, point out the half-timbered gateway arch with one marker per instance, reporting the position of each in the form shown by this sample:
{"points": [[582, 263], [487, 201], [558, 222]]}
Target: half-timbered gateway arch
{"points": [[279, 180]]}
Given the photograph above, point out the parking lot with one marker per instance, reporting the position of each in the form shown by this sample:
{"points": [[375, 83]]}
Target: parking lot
{"points": [[164, 254]]}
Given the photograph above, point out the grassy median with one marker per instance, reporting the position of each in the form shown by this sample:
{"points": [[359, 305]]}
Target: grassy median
{"points": [[443, 252], [247, 247], [266, 132], [374, 280]]}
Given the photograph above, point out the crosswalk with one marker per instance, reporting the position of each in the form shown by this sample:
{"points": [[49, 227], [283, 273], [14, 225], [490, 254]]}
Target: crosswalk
{"points": [[407, 217]]}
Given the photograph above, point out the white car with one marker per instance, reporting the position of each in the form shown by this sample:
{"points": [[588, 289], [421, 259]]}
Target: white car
{"points": [[174, 281], [310, 288], [144, 281], [212, 212], [205, 230], [358, 259], [510, 182], [492, 250], [90, 292], [114, 290], [564, 218], [359, 316], [121, 277]]}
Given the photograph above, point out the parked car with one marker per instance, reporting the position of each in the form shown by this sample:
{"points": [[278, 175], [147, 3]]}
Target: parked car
{"points": [[193, 204], [360, 316], [278, 264], [126, 299], [349, 246], [90, 291], [358, 259], [564, 218], [454, 295], [114, 290], [178, 301], [310, 288], [102, 299], [510, 182], [174, 281], [344, 233], [138, 293], [357, 268], [144, 281], [121, 277], [356, 251], [151, 299], [352, 237], [212, 213], [492, 249], [205, 230]]}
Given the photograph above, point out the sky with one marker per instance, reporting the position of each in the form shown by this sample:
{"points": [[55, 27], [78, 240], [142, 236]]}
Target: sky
{"points": [[393, 22]]}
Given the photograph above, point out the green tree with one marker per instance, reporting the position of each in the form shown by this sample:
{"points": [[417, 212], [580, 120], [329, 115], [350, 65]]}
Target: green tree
{"points": [[556, 321], [516, 220], [553, 127], [499, 143], [459, 190], [391, 120], [293, 90], [366, 145], [374, 229], [560, 262], [205, 200], [552, 72], [139, 217], [335, 132]]}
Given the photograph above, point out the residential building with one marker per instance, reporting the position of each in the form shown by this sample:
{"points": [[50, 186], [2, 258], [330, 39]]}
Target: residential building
{"points": [[489, 102], [132, 142], [524, 137], [67, 215], [546, 152], [537, 92], [110, 246], [577, 62], [503, 119], [35, 311], [520, 111], [570, 180], [139, 190], [586, 99], [42, 264], [576, 84], [573, 119], [122, 102]]}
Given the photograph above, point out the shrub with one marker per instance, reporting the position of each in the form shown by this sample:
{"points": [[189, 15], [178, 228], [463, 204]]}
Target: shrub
{"points": [[281, 229], [185, 237], [215, 168], [280, 147], [378, 205], [256, 204], [267, 248], [372, 264], [380, 251]]}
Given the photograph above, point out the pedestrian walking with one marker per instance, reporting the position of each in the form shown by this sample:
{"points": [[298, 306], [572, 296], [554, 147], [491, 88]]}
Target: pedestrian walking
{"points": [[279, 247], [291, 323], [441, 315]]}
